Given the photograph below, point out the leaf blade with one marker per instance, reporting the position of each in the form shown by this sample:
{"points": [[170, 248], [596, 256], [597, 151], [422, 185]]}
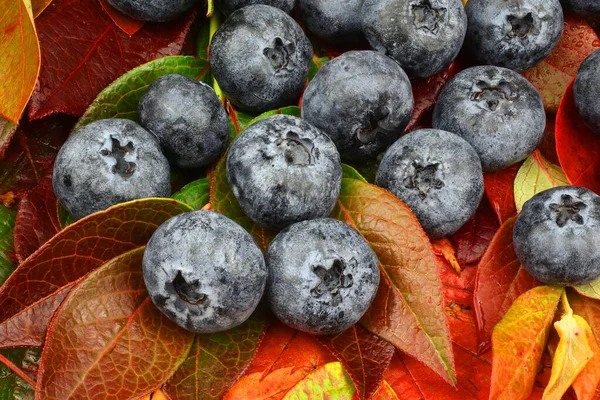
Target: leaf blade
{"points": [[330, 381]]}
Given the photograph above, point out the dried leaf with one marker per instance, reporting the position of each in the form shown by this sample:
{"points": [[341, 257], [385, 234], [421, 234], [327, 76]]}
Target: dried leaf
{"points": [[8, 263], [518, 342], [536, 175], [19, 57], [195, 194], [330, 381], [499, 189], [408, 310], [108, 338]]}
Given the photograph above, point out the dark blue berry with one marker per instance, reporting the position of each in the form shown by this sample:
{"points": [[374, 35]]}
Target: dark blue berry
{"points": [[586, 91], [153, 10]]}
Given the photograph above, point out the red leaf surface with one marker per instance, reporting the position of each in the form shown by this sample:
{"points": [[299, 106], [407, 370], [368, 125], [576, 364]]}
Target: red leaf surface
{"points": [[577, 146], [83, 51], [82, 247], [32, 152], [476, 234], [124, 22], [365, 357], [108, 340], [500, 280], [499, 189], [37, 218]]}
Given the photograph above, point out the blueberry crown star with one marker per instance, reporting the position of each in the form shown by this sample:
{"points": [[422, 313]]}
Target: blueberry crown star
{"points": [[567, 210], [331, 281], [425, 179]]}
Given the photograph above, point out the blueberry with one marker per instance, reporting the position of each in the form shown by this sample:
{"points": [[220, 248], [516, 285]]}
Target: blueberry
{"points": [[496, 110], [107, 162], [586, 91], [260, 58], [153, 10], [204, 271], [556, 236], [438, 175], [334, 21], [322, 276], [283, 170], [424, 36], [188, 119], [229, 6], [514, 34], [585, 7], [363, 100]]}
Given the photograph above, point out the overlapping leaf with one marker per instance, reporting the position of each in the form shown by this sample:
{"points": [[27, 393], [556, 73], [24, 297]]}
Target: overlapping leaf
{"points": [[408, 310], [500, 280], [473, 238], [83, 51], [7, 131], [577, 146], [108, 339], [499, 189], [127, 24], [39, 6], [591, 289], [13, 386], [518, 342], [195, 194], [587, 383], [536, 175], [330, 381], [8, 263]]}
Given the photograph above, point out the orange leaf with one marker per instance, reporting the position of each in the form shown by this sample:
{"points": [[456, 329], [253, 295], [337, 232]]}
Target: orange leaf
{"points": [[328, 382], [586, 384], [271, 387], [385, 392], [19, 57], [518, 342]]}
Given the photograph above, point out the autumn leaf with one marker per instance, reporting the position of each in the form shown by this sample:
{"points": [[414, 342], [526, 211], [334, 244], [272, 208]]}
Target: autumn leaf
{"points": [[329, 381], [8, 263], [499, 189], [364, 356], [586, 384], [408, 310], [536, 175], [79, 41], [108, 338], [39, 6], [591, 289], [572, 354], [7, 131], [473, 238], [216, 361], [518, 342], [385, 392], [577, 146], [127, 24], [554, 73], [195, 194], [19, 57]]}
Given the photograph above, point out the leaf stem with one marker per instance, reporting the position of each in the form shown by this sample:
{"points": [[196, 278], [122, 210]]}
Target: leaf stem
{"points": [[565, 303], [210, 9], [215, 23], [17, 370]]}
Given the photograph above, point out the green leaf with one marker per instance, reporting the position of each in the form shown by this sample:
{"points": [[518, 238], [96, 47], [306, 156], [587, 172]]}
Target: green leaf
{"points": [[350, 173], [120, 99], [12, 387], [195, 194], [591, 289], [7, 223], [290, 110], [315, 65], [203, 40]]}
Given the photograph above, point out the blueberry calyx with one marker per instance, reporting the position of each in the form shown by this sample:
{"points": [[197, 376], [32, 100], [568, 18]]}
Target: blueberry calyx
{"points": [[331, 281], [425, 179], [297, 151], [568, 210], [280, 55], [426, 16], [118, 152], [368, 133], [489, 96], [188, 291], [521, 27]]}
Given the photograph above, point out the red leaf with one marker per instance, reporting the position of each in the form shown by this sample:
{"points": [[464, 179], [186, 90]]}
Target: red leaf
{"points": [[365, 357], [500, 280], [124, 22], [37, 218], [475, 235], [108, 340], [83, 51], [7, 131], [577, 146], [499, 189]]}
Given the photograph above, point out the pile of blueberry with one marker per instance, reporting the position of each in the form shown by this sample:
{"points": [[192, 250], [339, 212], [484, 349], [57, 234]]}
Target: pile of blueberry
{"points": [[319, 275]]}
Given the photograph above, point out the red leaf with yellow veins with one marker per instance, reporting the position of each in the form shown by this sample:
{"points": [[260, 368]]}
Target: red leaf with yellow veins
{"points": [[518, 342], [109, 340], [81, 248], [365, 356], [500, 280], [83, 51], [499, 189], [552, 76], [408, 310], [577, 146]]}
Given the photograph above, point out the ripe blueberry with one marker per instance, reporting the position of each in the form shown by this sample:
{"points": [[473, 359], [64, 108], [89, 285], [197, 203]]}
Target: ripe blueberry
{"points": [[515, 34], [188, 119], [283, 170], [153, 10], [585, 7], [229, 6], [322, 276], [363, 100], [335, 21], [586, 91], [496, 110], [204, 271], [438, 175], [424, 36], [260, 57], [556, 236], [107, 162]]}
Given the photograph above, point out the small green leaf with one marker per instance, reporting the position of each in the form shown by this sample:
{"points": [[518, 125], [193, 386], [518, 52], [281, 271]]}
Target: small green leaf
{"points": [[294, 111], [591, 289], [7, 223], [315, 66], [351, 173], [12, 387], [195, 194]]}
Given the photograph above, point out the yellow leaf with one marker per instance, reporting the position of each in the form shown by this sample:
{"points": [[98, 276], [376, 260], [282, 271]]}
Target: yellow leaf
{"points": [[587, 381], [591, 289], [572, 354], [329, 381], [19, 58], [536, 175]]}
